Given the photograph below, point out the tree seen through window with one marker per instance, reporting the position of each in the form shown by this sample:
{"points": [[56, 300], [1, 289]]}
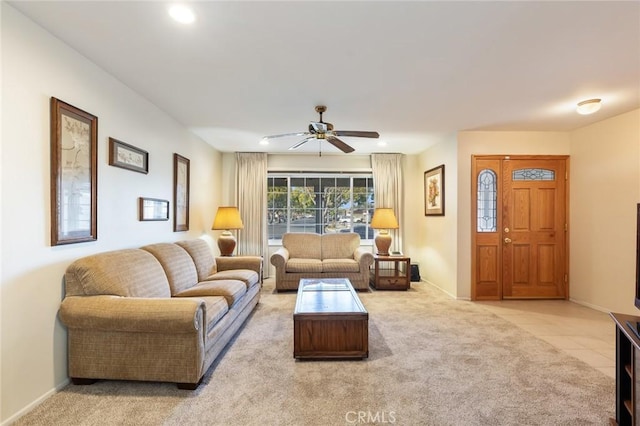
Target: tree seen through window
{"points": [[320, 204]]}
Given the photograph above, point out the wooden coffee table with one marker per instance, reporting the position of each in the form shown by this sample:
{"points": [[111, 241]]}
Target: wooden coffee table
{"points": [[329, 321]]}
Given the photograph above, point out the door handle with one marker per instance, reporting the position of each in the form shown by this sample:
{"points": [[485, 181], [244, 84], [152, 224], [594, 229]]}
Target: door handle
{"points": [[507, 240]]}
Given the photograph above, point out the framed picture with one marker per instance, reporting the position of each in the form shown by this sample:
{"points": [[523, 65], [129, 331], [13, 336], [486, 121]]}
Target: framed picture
{"points": [[128, 156], [180, 193], [153, 209], [434, 191], [74, 177]]}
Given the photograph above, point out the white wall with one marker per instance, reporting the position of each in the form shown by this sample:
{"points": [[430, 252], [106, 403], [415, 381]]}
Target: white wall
{"points": [[605, 188], [470, 143], [228, 190], [36, 66], [431, 241], [315, 163]]}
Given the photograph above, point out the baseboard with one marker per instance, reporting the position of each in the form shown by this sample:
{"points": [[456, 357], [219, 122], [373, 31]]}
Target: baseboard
{"points": [[35, 403], [439, 289], [590, 305]]}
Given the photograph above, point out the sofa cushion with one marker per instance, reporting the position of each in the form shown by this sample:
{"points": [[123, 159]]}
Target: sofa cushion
{"points": [[303, 245], [340, 265], [340, 245], [247, 276], [202, 256], [303, 265], [231, 290], [177, 264], [127, 273], [215, 308]]}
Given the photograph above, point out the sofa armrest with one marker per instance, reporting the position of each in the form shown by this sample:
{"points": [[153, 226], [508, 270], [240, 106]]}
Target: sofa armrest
{"points": [[133, 314], [227, 263], [363, 257], [279, 257]]}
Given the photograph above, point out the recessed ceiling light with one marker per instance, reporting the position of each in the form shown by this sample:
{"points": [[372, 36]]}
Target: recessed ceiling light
{"points": [[589, 106], [182, 14], [264, 141], [382, 143]]}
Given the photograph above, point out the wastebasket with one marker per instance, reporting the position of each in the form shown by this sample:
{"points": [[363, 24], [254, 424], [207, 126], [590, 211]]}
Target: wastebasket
{"points": [[415, 272]]}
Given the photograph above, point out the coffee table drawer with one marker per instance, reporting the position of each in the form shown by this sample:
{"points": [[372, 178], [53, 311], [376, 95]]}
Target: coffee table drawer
{"points": [[331, 336]]}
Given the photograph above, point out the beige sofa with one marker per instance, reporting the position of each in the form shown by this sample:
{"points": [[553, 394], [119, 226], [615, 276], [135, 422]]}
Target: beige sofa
{"points": [[162, 312], [307, 255]]}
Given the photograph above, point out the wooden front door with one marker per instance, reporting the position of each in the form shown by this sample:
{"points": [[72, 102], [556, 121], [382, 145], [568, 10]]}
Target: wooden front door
{"points": [[519, 234]]}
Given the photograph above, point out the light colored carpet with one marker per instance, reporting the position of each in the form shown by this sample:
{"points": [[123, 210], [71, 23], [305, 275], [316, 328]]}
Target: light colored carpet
{"points": [[433, 361]]}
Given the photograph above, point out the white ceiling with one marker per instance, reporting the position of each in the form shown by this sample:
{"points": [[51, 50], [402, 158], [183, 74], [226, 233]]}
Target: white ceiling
{"points": [[416, 72]]}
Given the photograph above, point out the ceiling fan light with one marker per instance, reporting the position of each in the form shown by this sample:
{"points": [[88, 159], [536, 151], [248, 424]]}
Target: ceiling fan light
{"points": [[589, 106]]}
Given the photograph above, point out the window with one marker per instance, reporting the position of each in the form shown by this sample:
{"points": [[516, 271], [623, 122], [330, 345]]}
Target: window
{"points": [[320, 203], [533, 174], [487, 201]]}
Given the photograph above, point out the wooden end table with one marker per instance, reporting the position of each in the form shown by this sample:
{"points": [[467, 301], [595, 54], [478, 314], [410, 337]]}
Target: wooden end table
{"points": [[329, 321], [390, 272]]}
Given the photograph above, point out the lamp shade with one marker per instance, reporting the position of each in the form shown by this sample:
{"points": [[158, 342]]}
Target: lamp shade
{"points": [[227, 218], [384, 218]]}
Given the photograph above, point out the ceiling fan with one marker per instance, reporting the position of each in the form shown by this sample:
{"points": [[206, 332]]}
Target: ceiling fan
{"points": [[324, 131]]}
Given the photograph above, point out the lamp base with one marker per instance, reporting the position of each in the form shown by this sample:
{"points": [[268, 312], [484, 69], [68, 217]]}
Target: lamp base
{"points": [[383, 242], [226, 243]]}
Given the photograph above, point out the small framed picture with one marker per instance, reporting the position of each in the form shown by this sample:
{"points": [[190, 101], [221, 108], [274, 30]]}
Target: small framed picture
{"points": [[153, 209], [128, 156], [434, 191]]}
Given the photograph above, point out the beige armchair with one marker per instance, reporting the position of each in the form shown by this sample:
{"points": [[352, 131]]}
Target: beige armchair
{"points": [[307, 255]]}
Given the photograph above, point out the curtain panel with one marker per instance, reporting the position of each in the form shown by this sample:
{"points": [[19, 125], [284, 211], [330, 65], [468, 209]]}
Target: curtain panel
{"points": [[388, 189], [251, 199]]}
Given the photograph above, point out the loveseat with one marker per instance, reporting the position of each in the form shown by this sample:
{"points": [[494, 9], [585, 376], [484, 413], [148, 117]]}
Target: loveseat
{"points": [[162, 312], [308, 255]]}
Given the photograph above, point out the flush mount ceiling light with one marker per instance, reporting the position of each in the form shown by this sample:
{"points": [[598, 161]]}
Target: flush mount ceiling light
{"points": [[589, 106], [182, 14]]}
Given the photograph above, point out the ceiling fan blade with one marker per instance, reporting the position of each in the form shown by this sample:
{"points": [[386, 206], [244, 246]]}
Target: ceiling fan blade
{"points": [[303, 141], [356, 133], [339, 144], [286, 134]]}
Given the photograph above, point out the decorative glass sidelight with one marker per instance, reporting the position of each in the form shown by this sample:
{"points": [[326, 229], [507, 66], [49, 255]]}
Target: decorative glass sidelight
{"points": [[487, 201], [533, 174]]}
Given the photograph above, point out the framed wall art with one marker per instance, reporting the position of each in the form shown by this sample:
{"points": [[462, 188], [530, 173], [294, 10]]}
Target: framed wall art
{"points": [[180, 193], [74, 177], [153, 209], [434, 191], [128, 156]]}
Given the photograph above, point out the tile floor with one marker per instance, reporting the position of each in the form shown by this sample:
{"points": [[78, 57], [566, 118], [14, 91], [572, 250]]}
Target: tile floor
{"points": [[579, 331]]}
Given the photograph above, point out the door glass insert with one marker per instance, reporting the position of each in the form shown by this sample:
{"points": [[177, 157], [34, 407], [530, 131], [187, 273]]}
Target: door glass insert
{"points": [[487, 201], [533, 174]]}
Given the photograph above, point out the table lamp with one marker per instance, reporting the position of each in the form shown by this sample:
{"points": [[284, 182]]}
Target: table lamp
{"points": [[383, 219], [227, 218]]}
